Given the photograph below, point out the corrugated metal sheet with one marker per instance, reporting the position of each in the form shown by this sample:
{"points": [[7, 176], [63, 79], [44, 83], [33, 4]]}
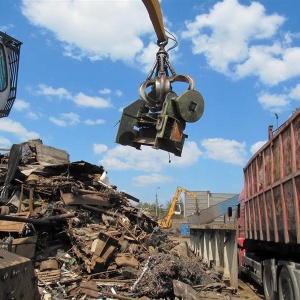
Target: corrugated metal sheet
{"points": [[206, 199]]}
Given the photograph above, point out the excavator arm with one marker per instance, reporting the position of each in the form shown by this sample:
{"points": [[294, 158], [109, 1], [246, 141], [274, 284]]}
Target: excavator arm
{"points": [[166, 223], [156, 18], [158, 118]]}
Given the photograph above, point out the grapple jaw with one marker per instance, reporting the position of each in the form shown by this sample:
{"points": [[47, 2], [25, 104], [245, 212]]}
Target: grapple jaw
{"points": [[158, 118], [161, 130]]}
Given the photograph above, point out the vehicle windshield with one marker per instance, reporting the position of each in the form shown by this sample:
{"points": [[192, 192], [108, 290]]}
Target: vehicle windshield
{"points": [[3, 69]]}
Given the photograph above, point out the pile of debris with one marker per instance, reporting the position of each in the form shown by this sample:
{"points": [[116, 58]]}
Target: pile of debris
{"points": [[84, 239]]}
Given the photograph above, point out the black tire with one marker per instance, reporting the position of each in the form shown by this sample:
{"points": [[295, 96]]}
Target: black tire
{"points": [[287, 285], [269, 284]]}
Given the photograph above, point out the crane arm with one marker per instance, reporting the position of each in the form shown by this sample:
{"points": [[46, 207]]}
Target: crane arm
{"points": [[167, 221], [156, 18]]}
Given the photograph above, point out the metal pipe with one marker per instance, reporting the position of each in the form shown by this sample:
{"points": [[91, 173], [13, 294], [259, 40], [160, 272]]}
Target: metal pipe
{"points": [[46, 221], [26, 220]]}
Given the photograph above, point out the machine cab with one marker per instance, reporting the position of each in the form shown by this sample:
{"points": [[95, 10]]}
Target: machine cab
{"points": [[9, 65], [4, 77]]}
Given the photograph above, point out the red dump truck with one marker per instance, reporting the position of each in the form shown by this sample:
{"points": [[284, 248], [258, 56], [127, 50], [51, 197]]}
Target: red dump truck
{"points": [[269, 214]]}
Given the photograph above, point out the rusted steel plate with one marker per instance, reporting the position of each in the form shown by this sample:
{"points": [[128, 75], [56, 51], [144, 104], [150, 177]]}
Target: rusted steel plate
{"points": [[17, 277], [11, 226], [49, 276], [70, 199], [25, 246]]}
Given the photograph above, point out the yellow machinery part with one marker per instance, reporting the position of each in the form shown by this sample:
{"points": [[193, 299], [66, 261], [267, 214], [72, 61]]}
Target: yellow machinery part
{"points": [[155, 14]]}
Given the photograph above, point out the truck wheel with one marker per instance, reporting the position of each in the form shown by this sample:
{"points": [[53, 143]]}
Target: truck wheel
{"points": [[287, 285], [269, 284]]}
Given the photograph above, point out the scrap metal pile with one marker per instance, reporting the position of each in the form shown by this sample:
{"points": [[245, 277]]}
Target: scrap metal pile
{"points": [[84, 238]]}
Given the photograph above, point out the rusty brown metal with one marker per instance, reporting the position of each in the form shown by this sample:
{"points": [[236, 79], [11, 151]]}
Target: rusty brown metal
{"points": [[21, 199], [25, 246], [71, 199], [104, 248], [47, 265], [17, 277], [11, 223], [84, 237], [30, 204]]}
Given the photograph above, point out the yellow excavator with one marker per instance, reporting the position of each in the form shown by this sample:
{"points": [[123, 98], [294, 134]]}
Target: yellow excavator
{"points": [[158, 118], [175, 208]]}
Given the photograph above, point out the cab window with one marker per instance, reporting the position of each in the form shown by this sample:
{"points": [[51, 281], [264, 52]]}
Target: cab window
{"points": [[3, 69]]}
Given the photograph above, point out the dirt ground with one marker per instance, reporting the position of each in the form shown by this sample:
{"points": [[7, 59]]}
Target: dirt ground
{"points": [[247, 290], [250, 291]]}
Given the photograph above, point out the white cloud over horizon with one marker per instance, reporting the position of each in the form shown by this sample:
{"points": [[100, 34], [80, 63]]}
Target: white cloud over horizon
{"points": [[17, 129], [227, 151], [151, 179], [147, 159]]}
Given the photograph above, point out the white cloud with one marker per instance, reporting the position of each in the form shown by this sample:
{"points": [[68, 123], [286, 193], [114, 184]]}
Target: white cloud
{"points": [[93, 29], [71, 118], [272, 64], [228, 151], [274, 103], [119, 93], [99, 148], [21, 105], [295, 92], [239, 41], [17, 129], [255, 147], [148, 159], [65, 119], [150, 179], [80, 98], [7, 27], [224, 34], [5, 143], [33, 115], [58, 122], [46, 90], [94, 122], [88, 101], [190, 155], [105, 91], [146, 57]]}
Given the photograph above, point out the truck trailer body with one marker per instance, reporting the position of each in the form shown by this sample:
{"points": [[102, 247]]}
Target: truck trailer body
{"points": [[269, 218]]}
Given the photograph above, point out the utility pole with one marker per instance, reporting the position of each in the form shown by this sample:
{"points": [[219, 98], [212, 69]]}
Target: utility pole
{"points": [[156, 202]]}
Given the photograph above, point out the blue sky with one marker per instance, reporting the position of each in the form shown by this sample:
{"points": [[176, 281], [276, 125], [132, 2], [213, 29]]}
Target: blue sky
{"points": [[83, 61]]}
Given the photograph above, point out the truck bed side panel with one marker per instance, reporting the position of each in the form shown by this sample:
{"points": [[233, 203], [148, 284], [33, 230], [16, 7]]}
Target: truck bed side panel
{"points": [[272, 187]]}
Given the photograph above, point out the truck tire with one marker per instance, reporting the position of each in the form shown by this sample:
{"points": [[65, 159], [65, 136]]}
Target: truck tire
{"points": [[269, 284], [287, 285]]}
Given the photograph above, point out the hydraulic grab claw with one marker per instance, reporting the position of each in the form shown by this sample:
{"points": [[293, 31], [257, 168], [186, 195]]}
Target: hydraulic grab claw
{"points": [[159, 117]]}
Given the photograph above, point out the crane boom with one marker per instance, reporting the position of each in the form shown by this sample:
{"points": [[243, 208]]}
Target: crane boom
{"points": [[156, 18], [167, 221]]}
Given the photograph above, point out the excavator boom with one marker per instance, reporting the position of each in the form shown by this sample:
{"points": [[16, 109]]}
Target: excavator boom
{"points": [[166, 223], [155, 15]]}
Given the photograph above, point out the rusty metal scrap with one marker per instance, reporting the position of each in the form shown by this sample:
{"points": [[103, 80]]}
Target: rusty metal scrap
{"points": [[85, 238]]}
